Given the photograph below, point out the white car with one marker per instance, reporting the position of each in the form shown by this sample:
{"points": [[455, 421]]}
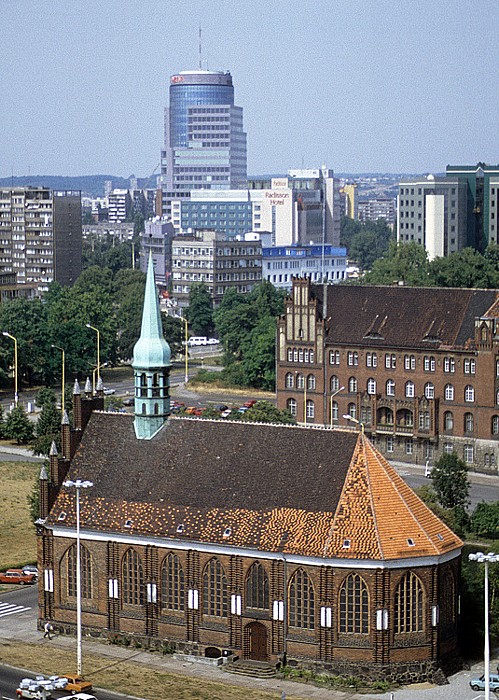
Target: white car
{"points": [[58, 683], [109, 392], [78, 696], [212, 341]]}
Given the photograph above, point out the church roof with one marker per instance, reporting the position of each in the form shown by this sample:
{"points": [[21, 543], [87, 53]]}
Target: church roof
{"points": [[412, 317], [273, 488]]}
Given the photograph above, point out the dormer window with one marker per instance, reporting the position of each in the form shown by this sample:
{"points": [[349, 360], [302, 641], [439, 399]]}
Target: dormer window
{"points": [[180, 529], [128, 523], [62, 516], [411, 542], [346, 544], [227, 532]]}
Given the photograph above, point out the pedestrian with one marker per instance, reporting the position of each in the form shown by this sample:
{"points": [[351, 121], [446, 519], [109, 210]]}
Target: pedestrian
{"points": [[48, 629]]}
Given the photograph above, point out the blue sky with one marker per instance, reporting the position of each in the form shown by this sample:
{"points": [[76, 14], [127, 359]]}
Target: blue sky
{"points": [[388, 86]]}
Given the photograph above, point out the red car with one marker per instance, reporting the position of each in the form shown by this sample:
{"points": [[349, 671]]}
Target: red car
{"points": [[17, 576], [250, 403]]}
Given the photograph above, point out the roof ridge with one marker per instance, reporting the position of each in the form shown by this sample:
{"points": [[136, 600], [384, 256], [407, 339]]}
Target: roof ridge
{"points": [[368, 476]]}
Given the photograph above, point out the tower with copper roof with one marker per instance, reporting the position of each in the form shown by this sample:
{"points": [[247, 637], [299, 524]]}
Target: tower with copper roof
{"points": [[151, 366]]}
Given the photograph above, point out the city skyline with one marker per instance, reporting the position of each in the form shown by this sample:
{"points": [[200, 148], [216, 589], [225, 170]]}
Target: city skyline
{"points": [[368, 87]]}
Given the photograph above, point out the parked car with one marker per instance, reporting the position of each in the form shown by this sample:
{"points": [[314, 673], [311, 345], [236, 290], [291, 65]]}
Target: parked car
{"points": [[78, 696], [250, 403], [34, 691], [213, 341], [194, 411], [226, 413], [109, 392], [30, 569], [76, 684], [479, 683], [17, 576], [58, 682], [128, 402]]}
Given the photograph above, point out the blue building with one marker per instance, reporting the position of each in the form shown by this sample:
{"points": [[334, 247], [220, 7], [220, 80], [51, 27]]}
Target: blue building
{"points": [[316, 262], [205, 144]]}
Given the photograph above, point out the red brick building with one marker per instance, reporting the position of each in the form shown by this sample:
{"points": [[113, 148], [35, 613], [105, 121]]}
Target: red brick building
{"points": [[271, 542], [418, 367]]}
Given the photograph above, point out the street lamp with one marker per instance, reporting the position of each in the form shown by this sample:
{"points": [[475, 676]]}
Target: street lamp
{"points": [[8, 335], [78, 484], [350, 418], [98, 352], [482, 558], [331, 402], [186, 350], [62, 375]]}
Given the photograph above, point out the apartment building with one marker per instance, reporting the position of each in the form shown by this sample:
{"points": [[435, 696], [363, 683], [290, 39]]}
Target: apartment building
{"points": [[40, 235], [209, 257]]}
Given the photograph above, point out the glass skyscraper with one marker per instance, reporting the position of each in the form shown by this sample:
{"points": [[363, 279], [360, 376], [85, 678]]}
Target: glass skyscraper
{"points": [[205, 144]]}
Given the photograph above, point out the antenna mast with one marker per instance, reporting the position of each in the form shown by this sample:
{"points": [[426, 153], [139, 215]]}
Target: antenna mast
{"points": [[200, 54]]}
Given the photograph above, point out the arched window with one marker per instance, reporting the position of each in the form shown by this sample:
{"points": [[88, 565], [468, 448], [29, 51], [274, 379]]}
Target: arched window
{"points": [[448, 421], [172, 584], [469, 423], [449, 392], [156, 409], [289, 380], [352, 385], [214, 589], [291, 406], [311, 382], [334, 410], [469, 393], [352, 410], [409, 605], [495, 425], [371, 386], [310, 409], [300, 381], [354, 606], [390, 387], [334, 383], [257, 587], [85, 571], [429, 390], [301, 601], [144, 410], [409, 390], [133, 578]]}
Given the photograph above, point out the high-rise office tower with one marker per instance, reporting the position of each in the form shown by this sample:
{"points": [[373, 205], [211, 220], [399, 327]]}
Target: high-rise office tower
{"points": [[205, 144]]}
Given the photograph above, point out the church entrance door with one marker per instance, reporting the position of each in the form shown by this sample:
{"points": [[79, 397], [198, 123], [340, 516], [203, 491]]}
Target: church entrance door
{"points": [[255, 641]]}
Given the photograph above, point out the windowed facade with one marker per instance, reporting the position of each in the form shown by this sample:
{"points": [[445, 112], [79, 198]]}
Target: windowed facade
{"points": [[390, 387], [353, 606], [214, 589], [409, 390], [311, 382], [448, 421], [352, 410], [409, 602], [371, 359], [429, 363], [334, 383], [390, 361], [334, 357], [300, 381], [310, 409], [469, 394], [468, 454], [289, 380], [352, 385], [469, 423], [371, 386], [449, 365], [449, 392], [409, 362], [494, 429], [301, 601], [353, 359], [291, 406], [469, 366], [172, 584]]}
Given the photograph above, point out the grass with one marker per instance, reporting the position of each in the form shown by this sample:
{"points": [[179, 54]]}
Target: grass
{"points": [[17, 532], [127, 677]]}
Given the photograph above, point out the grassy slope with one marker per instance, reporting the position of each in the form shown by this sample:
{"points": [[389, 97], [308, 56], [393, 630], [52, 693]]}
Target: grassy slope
{"points": [[17, 533]]}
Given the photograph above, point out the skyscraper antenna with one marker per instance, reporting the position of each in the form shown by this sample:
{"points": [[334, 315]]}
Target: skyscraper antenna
{"points": [[200, 52]]}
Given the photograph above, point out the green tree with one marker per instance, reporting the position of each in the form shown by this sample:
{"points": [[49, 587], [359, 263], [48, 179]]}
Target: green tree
{"points": [[200, 311], [266, 412], [258, 362], [404, 262], [465, 268], [18, 426], [450, 480], [48, 426], [365, 241], [485, 520]]}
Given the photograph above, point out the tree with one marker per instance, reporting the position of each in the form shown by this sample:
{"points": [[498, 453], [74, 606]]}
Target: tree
{"points": [[200, 311], [404, 262], [258, 363], [266, 412], [18, 426], [465, 268], [365, 241], [485, 520], [450, 480], [48, 426]]}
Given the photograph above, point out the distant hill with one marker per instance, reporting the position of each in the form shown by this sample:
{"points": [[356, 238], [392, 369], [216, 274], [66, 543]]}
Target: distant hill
{"points": [[90, 185]]}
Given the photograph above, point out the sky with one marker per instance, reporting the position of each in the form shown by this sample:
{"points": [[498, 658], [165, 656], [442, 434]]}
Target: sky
{"points": [[403, 86]]}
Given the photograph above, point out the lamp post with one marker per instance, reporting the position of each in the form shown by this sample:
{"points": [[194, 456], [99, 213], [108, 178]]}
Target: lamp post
{"points": [[8, 335], [331, 402], [98, 352], [350, 418], [62, 375], [486, 559], [186, 350], [78, 484]]}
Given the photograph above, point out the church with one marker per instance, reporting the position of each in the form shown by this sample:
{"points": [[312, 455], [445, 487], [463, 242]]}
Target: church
{"points": [[278, 543]]}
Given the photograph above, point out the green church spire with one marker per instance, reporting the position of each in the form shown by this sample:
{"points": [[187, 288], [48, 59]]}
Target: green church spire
{"points": [[151, 365]]}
